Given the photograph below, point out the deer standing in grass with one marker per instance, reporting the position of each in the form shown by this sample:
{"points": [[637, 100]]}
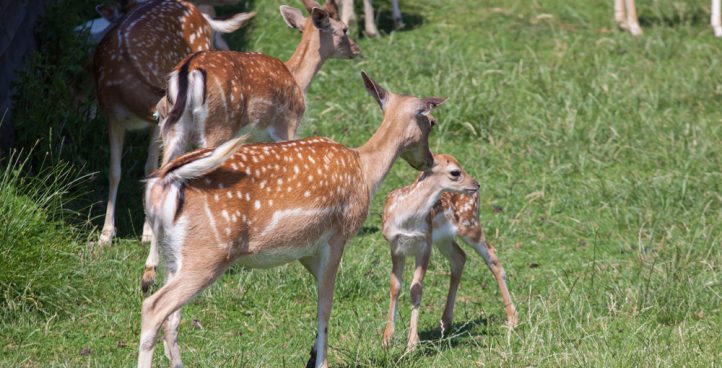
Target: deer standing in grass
{"points": [[625, 15], [441, 204], [218, 94], [263, 205], [130, 66], [348, 14]]}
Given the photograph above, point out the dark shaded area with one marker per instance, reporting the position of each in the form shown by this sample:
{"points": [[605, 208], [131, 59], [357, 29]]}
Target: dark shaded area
{"points": [[368, 230], [385, 21], [696, 16]]}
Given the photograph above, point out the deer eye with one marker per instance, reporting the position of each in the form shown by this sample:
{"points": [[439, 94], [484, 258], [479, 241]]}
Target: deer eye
{"points": [[345, 30], [455, 173]]}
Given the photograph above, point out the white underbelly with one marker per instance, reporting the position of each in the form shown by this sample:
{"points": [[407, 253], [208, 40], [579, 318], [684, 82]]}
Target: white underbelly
{"points": [[409, 245], [280, 255]]}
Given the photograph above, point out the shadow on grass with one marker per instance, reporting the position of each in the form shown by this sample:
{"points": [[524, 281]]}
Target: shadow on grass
{"points": [[697, 16]]}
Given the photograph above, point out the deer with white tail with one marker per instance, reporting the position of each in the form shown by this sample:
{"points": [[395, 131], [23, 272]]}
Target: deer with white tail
{"points": [[130, 68], [217, 95], [443, 203], [263, 205]]}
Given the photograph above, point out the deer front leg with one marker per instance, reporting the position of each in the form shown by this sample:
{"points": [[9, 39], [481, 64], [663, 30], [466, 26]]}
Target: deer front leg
{"points": [[488, 252], [397, 273], [347, 12], [369, 23], [116, 134], [619, 13], [151, 263], [396, 13], [422, 262], [632, 22], [457, 259], [151, 165], [716, 18]]}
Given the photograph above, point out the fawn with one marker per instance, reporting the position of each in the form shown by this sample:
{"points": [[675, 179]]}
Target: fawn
{"points": [[130, 67], [266, 204], [441, 204]]}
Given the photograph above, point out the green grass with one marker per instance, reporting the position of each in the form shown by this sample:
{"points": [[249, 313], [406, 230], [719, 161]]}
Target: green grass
{"points": [[603, 152]]}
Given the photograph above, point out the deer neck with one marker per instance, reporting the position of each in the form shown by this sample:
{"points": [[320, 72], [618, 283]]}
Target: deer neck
{"points": [[307, 60], [379, 154]]}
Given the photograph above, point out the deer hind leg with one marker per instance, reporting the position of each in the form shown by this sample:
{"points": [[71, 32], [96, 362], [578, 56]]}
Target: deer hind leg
{"points": [[116, 135], [369, 22], [620, 16], [189, 281], [716, 18], [422, 263], [457, 259], [151, 264], [397, 273], [151, 165], [477, 241]]}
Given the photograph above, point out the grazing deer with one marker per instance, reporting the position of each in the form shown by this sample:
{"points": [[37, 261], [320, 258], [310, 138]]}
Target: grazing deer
{"points": [[348, 14], [217, 94], [263, 205], [626, 17], [441, 204], [131, 63]]}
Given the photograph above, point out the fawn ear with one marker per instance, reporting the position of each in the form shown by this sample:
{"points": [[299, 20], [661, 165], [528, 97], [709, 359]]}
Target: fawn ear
{"points": [[293, 17], [430, 103], [321, 19], [375, 90], [332, 8], [109, 12]]}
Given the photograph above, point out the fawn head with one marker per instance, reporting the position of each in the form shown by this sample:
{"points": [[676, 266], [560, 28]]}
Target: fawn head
{"points": [[412, 121], [448, 175], [324, 25]]}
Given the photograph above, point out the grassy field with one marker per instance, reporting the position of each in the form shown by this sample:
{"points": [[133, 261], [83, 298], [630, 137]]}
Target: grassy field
{"points": [[599, 159]]}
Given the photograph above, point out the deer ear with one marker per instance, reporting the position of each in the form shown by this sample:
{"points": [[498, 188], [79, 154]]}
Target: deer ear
{"points": [[430, 103], [321, 19], [109, 12], [375, 90], [332, 8], [293, 17], [310, 4]]}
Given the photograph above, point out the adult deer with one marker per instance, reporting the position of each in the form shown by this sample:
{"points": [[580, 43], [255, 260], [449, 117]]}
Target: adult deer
{"points": [[130, 67], [443, 203], [348, 14], [217, 94], [267, 204], [213, 95], [626, 17]]}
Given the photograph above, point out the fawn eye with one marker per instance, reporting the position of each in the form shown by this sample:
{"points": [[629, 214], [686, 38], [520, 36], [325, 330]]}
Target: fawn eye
{"points": [[455, 173], [345, 30]]}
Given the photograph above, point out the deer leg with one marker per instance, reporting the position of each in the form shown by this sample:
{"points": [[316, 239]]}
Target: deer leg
{"points": [[396, 13], [716, 18], [324, 267], [151, 263], [151, 165], [422, 263], [116, 135], [397, 273], [189, 281], [347, 12], [488, 252], [369, 23], [457, 259], [619, 14], [632, 22]]}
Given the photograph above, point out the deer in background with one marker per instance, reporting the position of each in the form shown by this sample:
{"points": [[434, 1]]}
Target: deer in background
{"points": [[217, 94], [348, 14], [263, 205], [130, 67], [443, 203], [626, 17]]}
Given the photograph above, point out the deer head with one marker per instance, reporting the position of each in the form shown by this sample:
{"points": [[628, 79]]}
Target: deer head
{"points": [[416, 118], [324, 27], [447, 174]]}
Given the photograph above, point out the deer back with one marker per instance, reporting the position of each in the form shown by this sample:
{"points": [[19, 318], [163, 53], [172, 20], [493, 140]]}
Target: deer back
{"points": [[135, 56]]}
